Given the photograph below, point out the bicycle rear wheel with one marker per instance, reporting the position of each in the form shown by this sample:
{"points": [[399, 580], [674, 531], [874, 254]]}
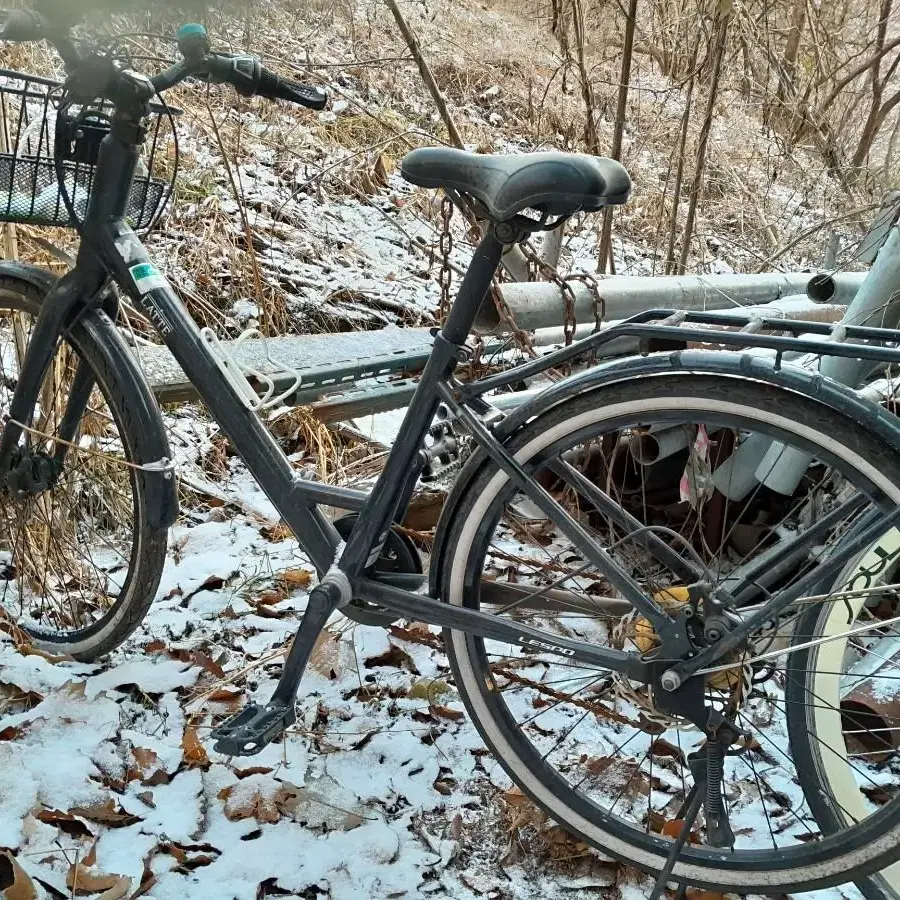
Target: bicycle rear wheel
{"points": [[592, 748], [80, 560]]}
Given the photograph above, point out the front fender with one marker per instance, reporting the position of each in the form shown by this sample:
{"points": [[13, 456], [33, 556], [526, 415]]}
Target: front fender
{"points": [[721, 364], [99, 330]]}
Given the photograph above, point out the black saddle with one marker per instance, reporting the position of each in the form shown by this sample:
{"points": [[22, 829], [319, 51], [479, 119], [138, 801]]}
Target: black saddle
{"points": [[554, 184]]}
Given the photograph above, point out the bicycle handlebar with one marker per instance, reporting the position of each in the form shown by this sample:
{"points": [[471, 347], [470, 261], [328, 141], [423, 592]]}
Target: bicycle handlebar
{"points": [[249, 77], [244, 72]]}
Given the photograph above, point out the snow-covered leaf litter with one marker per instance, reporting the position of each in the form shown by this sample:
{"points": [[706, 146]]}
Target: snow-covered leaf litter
{"points": [[360, 798]]}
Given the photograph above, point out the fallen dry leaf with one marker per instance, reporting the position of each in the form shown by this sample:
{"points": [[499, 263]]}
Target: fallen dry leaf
{"points": [[30, 650], [672, 828], [396, 656], [662, 747], [20, 886], [270, 598], [417, 633], [295, 578], [267, 612], [146, 767], [64, 822], [119, 890], [252, 770], [598, 764], [255, 798], [197, 658], [81, 880], [107, 813], [276, 533], [514, 797], [194, 753], [212, 583], [325, 656], [224, 694], [445, 712]]}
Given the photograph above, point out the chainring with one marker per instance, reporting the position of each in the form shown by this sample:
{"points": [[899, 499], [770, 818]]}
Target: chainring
{"points": [[399, 555]]}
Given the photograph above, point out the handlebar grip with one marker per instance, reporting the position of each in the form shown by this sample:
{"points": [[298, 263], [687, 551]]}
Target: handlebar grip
{"points": [[274, 87], [21, 25], [248, 77]]}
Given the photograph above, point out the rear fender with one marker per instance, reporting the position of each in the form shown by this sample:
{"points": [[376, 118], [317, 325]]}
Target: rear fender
{"points": [[694, 362]]}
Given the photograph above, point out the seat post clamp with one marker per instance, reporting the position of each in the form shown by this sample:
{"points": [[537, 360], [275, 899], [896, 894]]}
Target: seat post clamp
{"points": [[508, 232]]}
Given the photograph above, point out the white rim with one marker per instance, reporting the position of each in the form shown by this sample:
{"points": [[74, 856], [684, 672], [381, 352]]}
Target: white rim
{"points": [[835, 868], [829, 658]]}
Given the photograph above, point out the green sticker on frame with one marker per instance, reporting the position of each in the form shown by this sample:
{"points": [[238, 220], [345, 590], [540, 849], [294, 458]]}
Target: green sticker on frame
{"points": [[147, 277]]}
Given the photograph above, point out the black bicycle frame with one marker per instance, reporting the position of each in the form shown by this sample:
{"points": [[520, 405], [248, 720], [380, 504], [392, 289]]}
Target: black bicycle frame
{"points": [[110, 248]]}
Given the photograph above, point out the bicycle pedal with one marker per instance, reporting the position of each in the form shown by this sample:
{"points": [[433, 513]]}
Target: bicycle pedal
{"points": [[253, 728]]}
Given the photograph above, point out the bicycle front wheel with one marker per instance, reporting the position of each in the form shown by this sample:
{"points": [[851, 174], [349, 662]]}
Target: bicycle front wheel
{"points": [[80, 560], [736, 471]]}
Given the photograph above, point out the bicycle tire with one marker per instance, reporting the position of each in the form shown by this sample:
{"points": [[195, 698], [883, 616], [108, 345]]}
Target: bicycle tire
{"points": [[874, 844], [135, 414], [879, 565]]}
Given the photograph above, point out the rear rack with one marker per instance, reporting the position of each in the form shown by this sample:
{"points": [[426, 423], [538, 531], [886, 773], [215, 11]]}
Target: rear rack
{"points": [[667, 329]]}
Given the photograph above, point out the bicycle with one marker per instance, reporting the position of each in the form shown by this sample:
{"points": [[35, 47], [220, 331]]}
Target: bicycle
{"points": [[585, 486]]}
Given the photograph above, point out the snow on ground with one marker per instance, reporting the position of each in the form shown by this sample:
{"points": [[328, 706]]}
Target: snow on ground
{"points": [[108, 785], [107, 776]]}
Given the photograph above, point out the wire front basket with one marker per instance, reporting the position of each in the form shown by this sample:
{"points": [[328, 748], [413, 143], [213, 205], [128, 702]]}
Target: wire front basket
{"points": [[30, 190]]}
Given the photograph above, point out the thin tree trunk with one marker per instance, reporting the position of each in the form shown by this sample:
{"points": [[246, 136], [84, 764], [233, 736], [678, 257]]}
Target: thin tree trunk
{"points": [[413, 43], [787, 86], [891, 151], [587, 91], [604, 250], [697, 184], [679, 172]]}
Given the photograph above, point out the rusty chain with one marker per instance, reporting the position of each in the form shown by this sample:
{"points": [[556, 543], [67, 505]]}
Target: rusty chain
{"points": [[565, 288], [597, 302], [522, 338], [445, 276]]}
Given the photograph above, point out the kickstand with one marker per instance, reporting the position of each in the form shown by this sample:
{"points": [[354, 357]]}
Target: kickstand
{"points": [[688, 812], [258, 724]]}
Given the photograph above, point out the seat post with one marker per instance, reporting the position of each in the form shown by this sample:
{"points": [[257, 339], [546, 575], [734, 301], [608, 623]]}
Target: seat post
{"points": [[477, 281]]}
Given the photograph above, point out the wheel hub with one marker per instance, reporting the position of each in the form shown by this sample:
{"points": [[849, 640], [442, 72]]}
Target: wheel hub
{"points": [[637, 631], [31, 474]]}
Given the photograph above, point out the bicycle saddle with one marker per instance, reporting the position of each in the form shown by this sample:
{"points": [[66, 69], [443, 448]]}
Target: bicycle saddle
{"points": [[557, 184]]}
